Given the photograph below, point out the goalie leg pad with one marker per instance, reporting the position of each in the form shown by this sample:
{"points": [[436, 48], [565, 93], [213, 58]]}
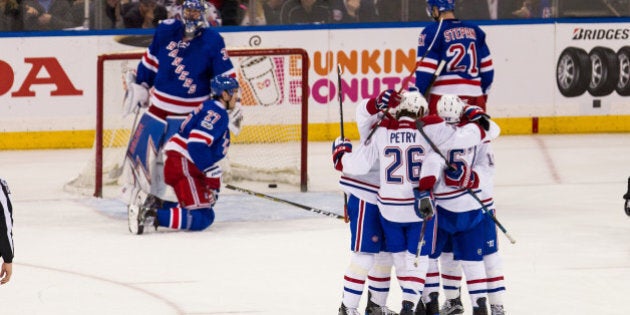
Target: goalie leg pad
{"points": [[144, 148]]}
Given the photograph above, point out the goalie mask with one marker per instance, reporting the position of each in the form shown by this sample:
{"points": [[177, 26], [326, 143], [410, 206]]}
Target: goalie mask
{"points": [[411, 103], [450, 108], [222, 83], [193, 16]]}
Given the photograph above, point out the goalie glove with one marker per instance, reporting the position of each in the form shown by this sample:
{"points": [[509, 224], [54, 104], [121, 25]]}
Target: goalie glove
{"points": [[236, 119], [423, 204], [340, 146], [136, 95]]}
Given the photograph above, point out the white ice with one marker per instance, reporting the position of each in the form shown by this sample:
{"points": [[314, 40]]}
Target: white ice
{"points": [[559, 196]]}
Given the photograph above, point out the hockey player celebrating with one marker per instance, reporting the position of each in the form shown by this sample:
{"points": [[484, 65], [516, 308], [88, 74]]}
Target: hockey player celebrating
{"points": [[453, 177], [398, 149], [191, 167], [462, 46], [173, 78], [366, 240]]}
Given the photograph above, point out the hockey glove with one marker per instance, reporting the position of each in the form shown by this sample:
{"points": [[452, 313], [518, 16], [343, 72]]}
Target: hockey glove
{"points": [[340, 146], [136, 95], [236, 119], [213, 177], [476, 114], [423, 203], [387, 99]]}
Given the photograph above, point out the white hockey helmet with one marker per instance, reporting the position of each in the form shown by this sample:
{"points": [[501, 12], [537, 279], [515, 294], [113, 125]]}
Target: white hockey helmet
{"points": [[412, 101], [450, 108]]}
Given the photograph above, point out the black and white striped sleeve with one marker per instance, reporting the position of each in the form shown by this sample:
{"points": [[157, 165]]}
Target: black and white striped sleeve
{"points": [[6, 224]]}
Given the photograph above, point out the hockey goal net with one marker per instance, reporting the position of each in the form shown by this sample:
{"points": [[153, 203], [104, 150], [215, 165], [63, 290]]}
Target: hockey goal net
{"points": [[272, 144]]}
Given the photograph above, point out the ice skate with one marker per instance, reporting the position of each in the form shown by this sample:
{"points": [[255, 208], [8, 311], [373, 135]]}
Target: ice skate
{"points": [[375, 309], [481, 309], [344, 310], [497, 310], [452, 307], [407, 308], [433, 306]]}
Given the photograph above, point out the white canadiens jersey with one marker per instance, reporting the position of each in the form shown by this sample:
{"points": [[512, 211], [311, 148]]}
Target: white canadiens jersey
{"points": [[365, 186], [399, 149], [461, 151], [484, 166]]}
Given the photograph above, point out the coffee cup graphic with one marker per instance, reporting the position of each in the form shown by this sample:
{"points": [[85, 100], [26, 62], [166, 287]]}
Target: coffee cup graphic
{"points": [[259, 73]]}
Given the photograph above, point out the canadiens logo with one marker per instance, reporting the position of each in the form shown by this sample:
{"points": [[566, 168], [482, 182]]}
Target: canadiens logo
{"points": [[602, 33]]}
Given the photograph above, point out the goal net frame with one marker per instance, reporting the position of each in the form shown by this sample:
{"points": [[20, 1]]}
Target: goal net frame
{"points": [[232, 52]]}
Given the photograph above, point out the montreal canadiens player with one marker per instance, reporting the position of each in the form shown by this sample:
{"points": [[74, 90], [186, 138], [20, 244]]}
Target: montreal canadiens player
{"points": [[173, 78], [192, 165], [452, 175], [468, 71], [398, 149]]}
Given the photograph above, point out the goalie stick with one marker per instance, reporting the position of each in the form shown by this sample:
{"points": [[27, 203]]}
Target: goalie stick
{"points": [[419, 126], [345, 197], [276, 199]]}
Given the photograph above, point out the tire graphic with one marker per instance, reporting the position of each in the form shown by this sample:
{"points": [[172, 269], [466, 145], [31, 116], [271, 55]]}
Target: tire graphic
{"points": [[573, 71], [623, 85], [604, 71]]}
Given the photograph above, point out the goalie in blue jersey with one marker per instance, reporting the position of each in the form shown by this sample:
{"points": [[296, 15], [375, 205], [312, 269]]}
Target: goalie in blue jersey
{"points": [[172, 78]]}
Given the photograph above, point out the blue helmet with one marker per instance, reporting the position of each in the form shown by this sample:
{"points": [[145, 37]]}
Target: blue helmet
{"points": [[442, 5], [193, 23], [222, 83]]}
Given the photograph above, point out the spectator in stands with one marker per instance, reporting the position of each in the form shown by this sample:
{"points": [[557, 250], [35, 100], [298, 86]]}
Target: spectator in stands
{"points": [[305, 12], [43, 15], [10, 19], [272, 11], [534, 9], [353, 11], [106, 15], [233, 11], [392, 11], [143, 14]]}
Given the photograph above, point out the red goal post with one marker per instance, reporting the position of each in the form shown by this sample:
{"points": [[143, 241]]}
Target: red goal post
{"points": [[282, 84]]}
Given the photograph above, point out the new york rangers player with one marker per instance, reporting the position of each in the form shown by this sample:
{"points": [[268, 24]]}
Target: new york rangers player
{"points": [[468, 70], [173, 78], [192, 165]]}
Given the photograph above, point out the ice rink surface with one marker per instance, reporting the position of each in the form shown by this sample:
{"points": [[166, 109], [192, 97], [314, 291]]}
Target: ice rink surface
{"points": [[559, 196]]}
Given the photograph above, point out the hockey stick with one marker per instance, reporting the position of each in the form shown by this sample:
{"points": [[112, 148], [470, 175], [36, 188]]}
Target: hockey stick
{"points": [[345, 196], [384, 113], [272, 198], [419, 125], [420, 242]]}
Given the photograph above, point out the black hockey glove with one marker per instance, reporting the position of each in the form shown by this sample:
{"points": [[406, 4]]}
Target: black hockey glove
{"points": [[423, 203]]}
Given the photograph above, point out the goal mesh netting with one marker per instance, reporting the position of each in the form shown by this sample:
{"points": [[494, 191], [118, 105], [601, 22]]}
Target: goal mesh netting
{"points": [[271, 146]]}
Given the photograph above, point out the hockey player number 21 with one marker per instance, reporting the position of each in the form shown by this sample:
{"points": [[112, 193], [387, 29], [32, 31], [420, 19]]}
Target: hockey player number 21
{"points": [[457, 59], [408, 163]]}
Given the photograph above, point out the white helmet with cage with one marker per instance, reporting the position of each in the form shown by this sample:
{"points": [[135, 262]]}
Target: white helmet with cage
{"points": [[412, 101], [450, 108]]}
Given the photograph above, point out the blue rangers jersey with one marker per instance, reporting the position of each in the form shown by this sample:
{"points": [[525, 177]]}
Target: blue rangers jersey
{"points": [[204, 137], [468, 66], [180, 71]]}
